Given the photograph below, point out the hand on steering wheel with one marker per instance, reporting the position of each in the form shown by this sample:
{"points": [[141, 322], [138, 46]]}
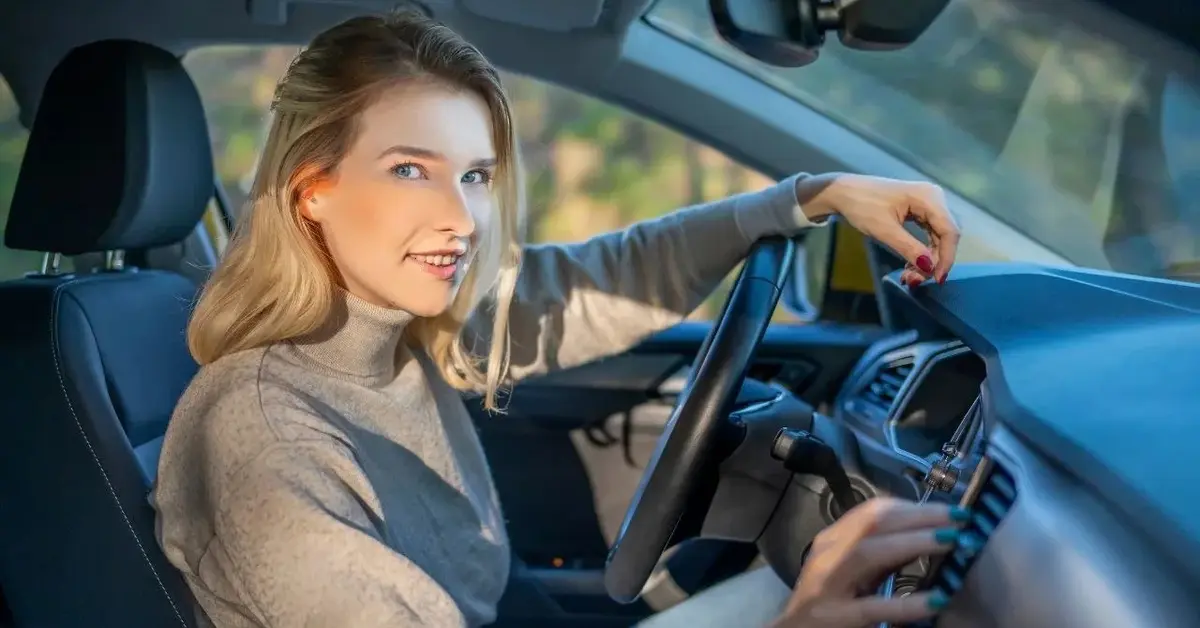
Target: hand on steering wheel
{"points": [[849, 559]]}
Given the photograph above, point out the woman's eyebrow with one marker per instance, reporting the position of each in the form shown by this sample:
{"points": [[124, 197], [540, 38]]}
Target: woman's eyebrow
{"points": [[412, 151], [425, 153]]}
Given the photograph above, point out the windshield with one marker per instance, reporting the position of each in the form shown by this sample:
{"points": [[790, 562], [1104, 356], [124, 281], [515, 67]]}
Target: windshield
{"points": [[1067, 136]]}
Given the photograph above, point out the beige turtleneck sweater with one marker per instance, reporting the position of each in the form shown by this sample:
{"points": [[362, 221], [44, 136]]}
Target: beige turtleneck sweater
{"points": [[337, 480]]}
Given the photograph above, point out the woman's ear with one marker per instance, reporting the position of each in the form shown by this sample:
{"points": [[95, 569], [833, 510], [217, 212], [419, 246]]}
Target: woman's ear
{"points": [[312, 198], [309, 206]]}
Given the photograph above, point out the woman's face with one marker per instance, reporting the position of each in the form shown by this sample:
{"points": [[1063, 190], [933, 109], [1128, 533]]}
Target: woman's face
{"points": [[401, 214]]}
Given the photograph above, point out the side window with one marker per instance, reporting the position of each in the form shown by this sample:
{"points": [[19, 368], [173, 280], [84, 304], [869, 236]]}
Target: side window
{"points": [[14, 264], [591, 167]]}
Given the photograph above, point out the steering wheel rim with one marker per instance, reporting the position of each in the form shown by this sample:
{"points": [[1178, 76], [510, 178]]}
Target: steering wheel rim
{"points": [[687, 448]]}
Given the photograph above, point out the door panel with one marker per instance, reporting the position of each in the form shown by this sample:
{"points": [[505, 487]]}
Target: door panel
{"points": [[568, 454]]}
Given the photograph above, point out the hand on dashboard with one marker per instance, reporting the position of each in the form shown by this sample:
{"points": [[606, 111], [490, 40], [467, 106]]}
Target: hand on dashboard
{"points": [[849, 559], [879, 207]]}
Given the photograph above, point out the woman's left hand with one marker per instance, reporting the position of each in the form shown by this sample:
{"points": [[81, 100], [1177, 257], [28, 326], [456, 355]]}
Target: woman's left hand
{"points": [[879, 207]]}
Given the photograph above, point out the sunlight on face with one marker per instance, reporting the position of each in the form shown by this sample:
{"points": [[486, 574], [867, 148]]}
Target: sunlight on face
{"points": [[402, 213]]}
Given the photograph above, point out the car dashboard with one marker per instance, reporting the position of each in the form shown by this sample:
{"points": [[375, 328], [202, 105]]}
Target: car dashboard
{"points": [[1082, 515], [913, 398]]}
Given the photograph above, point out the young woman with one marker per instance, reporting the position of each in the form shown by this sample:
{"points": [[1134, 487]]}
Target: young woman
{"points": [[321, 469]]}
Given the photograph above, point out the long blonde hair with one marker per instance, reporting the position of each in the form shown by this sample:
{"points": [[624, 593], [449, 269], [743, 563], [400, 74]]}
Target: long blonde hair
{"points": [[276, 281]]}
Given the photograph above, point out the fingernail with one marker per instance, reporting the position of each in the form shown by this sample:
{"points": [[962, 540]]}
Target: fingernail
{"points": [[937, 600], [925, 263], [970, 543], [958, 513], [942, 280], [946, 536]]}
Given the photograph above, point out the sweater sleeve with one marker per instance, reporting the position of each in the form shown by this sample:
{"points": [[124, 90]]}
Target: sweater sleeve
{"points": [[579, 302], [302, 539]]}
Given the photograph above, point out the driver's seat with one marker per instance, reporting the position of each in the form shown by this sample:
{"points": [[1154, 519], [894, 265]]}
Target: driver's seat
{"points": [[92, 365]]}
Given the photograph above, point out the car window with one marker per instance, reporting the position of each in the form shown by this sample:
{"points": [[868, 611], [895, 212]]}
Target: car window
{"points": [[591, 167], [14, 264], [1067, 136]]}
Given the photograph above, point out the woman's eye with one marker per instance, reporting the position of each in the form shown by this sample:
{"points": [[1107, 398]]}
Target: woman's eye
{"points": [[477, 177], [408, 171]]}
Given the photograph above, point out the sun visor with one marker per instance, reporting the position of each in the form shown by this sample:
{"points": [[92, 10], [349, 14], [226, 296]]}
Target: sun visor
{"points": [[547, 15]]}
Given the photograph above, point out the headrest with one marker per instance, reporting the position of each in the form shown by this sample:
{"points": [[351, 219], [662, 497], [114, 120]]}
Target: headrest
{"points": [[118, 157]]}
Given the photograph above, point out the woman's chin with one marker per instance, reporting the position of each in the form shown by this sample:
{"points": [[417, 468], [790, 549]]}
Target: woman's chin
{"points": [[425, 308], [425, 299]]}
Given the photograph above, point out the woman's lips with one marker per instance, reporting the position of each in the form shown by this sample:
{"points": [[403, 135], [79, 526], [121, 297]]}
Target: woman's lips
{"points": [[441, 265]]}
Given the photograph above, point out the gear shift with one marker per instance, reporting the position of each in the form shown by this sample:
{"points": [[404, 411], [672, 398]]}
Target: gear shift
{"points": [[806, 454]]}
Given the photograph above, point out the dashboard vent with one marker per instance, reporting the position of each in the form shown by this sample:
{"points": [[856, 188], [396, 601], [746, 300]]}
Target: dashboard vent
{"points": [[885, 386], [995, 499]]}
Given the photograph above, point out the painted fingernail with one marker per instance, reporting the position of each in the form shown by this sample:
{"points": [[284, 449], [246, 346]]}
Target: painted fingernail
{"points": [[958, 513], [942, 279], [946, 536], [968, 544], [937, 600], [925, 263]]}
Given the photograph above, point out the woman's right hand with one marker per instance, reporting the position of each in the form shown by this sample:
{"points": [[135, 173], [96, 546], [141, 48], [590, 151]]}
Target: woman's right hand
{"points": [[849, 560]]}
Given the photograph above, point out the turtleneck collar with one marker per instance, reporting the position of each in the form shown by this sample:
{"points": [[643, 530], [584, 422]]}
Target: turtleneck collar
{"points": [[359, 340]]}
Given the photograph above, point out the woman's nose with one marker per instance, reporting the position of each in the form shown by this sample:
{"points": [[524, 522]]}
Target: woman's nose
{"points": [[455, 215]]}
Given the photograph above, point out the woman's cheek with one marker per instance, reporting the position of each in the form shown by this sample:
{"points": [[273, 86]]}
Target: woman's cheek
{"points": [[482, 210]]}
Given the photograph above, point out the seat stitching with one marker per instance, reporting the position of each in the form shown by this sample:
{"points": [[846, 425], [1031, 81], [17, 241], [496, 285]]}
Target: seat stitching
{"points": [[95, 457]]}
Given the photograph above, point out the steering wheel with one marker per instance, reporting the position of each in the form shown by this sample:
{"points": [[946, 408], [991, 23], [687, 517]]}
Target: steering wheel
{"points": [[688, 450]]}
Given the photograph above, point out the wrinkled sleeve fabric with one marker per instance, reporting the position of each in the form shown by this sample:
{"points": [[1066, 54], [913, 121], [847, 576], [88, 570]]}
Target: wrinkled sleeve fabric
{"points": [[300, 535], [579, 302]]}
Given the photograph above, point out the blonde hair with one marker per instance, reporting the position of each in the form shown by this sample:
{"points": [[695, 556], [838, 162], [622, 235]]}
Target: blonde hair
{"points": [[276, 281]]}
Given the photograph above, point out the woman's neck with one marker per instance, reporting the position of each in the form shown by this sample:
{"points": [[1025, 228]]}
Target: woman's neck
{"points": [[358, 339]]}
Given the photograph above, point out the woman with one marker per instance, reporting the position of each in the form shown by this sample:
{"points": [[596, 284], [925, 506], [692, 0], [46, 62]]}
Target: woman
{"points": [[321, 469]]}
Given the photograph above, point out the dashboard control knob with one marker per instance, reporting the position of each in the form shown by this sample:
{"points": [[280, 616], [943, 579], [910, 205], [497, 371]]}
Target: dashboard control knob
{"points": [[942, 477]]}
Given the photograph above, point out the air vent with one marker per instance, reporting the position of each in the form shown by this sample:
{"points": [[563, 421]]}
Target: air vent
{"points": [[885, 386], [995, 499]]}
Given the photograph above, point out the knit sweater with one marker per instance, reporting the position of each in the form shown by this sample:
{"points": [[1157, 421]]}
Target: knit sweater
{"points": [[337, 480]]}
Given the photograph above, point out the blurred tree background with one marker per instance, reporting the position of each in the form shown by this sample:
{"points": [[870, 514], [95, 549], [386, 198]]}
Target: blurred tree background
{"points": [[591, 167], [1022, 115]]}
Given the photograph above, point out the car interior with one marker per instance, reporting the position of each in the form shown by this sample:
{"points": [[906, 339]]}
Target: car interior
{"points": [[1053, 398]]}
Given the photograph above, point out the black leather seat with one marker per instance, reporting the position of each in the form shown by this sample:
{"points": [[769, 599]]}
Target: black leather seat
{"points": [[91, 366]]}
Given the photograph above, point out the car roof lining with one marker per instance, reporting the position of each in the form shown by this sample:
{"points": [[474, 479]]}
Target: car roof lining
{"points": [[555, 40], [555, 45]]}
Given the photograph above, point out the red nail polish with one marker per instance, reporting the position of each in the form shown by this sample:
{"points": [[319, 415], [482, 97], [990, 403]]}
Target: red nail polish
{"points": [[924, 263]]}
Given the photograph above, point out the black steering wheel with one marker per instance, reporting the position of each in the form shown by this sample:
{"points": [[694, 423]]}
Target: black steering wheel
{"points": [[688, 450]]}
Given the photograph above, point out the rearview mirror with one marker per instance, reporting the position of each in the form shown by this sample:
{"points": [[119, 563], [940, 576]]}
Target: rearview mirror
{"points": [[789, 33]]}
